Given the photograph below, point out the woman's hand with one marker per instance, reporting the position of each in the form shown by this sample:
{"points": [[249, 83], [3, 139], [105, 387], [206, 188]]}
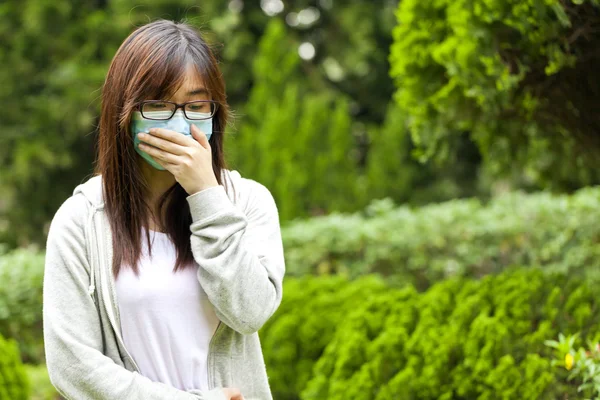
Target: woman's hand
{"points": [[189, 160], [232, 394]]}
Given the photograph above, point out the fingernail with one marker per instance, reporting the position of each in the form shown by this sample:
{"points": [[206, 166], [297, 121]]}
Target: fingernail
{"points": [[141, 135]]}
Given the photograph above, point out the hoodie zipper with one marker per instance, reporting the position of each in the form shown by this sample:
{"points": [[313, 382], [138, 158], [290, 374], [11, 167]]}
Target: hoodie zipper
{"points": [[210, 358], [110, 302]]}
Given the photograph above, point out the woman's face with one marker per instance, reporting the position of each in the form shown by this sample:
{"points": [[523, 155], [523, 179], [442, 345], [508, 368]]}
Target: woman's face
{"points": [[158, 114]]}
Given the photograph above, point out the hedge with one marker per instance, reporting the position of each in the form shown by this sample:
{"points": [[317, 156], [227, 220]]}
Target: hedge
{"points": [[41, 387], [304, 324], [463, 338], [419, 246], [13, 379], [456, 238], [21, 279]]}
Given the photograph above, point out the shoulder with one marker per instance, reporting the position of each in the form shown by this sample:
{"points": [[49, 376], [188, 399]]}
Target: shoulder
{"points": [[70, 218], [75, 210], [248, 194]]}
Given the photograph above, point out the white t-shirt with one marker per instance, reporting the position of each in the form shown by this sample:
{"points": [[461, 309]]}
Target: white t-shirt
{"points": [[166, 318]]}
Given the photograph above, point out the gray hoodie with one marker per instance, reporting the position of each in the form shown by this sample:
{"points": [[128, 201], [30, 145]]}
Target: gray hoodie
{"points": [[236, 242]]}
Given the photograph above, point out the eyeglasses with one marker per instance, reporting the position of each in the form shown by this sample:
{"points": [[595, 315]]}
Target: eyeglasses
{"points": [[163, 110]]}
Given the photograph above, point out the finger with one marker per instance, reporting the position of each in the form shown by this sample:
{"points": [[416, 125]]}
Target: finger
{"points": [[162, 144], [231, 393], [172, 136], [200, 137], [237, 395], [234, 393], [159, 155]]}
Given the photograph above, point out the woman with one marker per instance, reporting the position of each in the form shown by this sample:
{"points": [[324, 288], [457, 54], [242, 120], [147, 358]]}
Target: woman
{"points": [[161, 268]]}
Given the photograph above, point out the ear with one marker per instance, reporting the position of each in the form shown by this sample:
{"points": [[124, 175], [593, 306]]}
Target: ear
{"points": [[200, 136]]}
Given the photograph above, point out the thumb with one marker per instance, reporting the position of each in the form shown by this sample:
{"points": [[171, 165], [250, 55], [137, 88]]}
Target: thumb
{"points": [[200, 136]]}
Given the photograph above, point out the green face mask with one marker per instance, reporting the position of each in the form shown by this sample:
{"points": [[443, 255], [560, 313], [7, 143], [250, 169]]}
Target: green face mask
{"points": [[177, 123]]}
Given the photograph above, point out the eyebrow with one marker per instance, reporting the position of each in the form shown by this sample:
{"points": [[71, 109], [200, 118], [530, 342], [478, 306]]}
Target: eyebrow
{"points": [[198, 91]]}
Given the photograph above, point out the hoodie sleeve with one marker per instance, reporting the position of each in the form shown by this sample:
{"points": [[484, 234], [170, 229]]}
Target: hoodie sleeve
{"points": [[239, 253], [72, 331]]}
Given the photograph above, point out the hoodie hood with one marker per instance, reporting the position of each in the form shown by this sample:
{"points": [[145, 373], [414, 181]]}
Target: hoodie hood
{"points": [[92, 191]]}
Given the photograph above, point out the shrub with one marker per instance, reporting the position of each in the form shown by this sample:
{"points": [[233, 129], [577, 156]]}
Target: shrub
{"points": [[13, 380], [456, 238], [21, 278], [41, 387], [584, 363], [301, 142], [461, 339], [517, 75], [391, 170], [294, 338]]}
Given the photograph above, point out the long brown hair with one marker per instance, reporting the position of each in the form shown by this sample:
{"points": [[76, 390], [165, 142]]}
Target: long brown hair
{"points": [[151, 64]]}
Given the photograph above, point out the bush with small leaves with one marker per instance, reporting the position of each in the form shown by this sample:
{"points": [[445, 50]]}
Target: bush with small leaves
{"points": [[41, 387], [582, 362], [21, 279], [519, 76], [461, 339], [311, 310], [457, 238], [13, 379]]}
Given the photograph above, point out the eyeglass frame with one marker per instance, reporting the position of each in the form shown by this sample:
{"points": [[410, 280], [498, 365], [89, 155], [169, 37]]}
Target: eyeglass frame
{"points": [[177, 107]]}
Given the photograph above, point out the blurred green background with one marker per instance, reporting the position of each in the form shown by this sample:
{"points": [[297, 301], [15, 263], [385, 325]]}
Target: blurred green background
{"points": [[434, 163]]}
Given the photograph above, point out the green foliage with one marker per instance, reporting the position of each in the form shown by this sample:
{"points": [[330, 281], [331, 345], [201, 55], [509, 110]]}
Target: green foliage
{"points": [[55, 55], [295, 337], [299, 139], [517, 75], [393, 172], [461, 339], [51, 73], [13, 379], [583, 362], [422, 246], [296, 143], [457, 238], [351, 41], [21, 278], [41, 387], [390, 148]]}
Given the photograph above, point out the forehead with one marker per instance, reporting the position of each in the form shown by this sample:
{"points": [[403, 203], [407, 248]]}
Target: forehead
{"points": [[190, 81], [192, 77]]}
